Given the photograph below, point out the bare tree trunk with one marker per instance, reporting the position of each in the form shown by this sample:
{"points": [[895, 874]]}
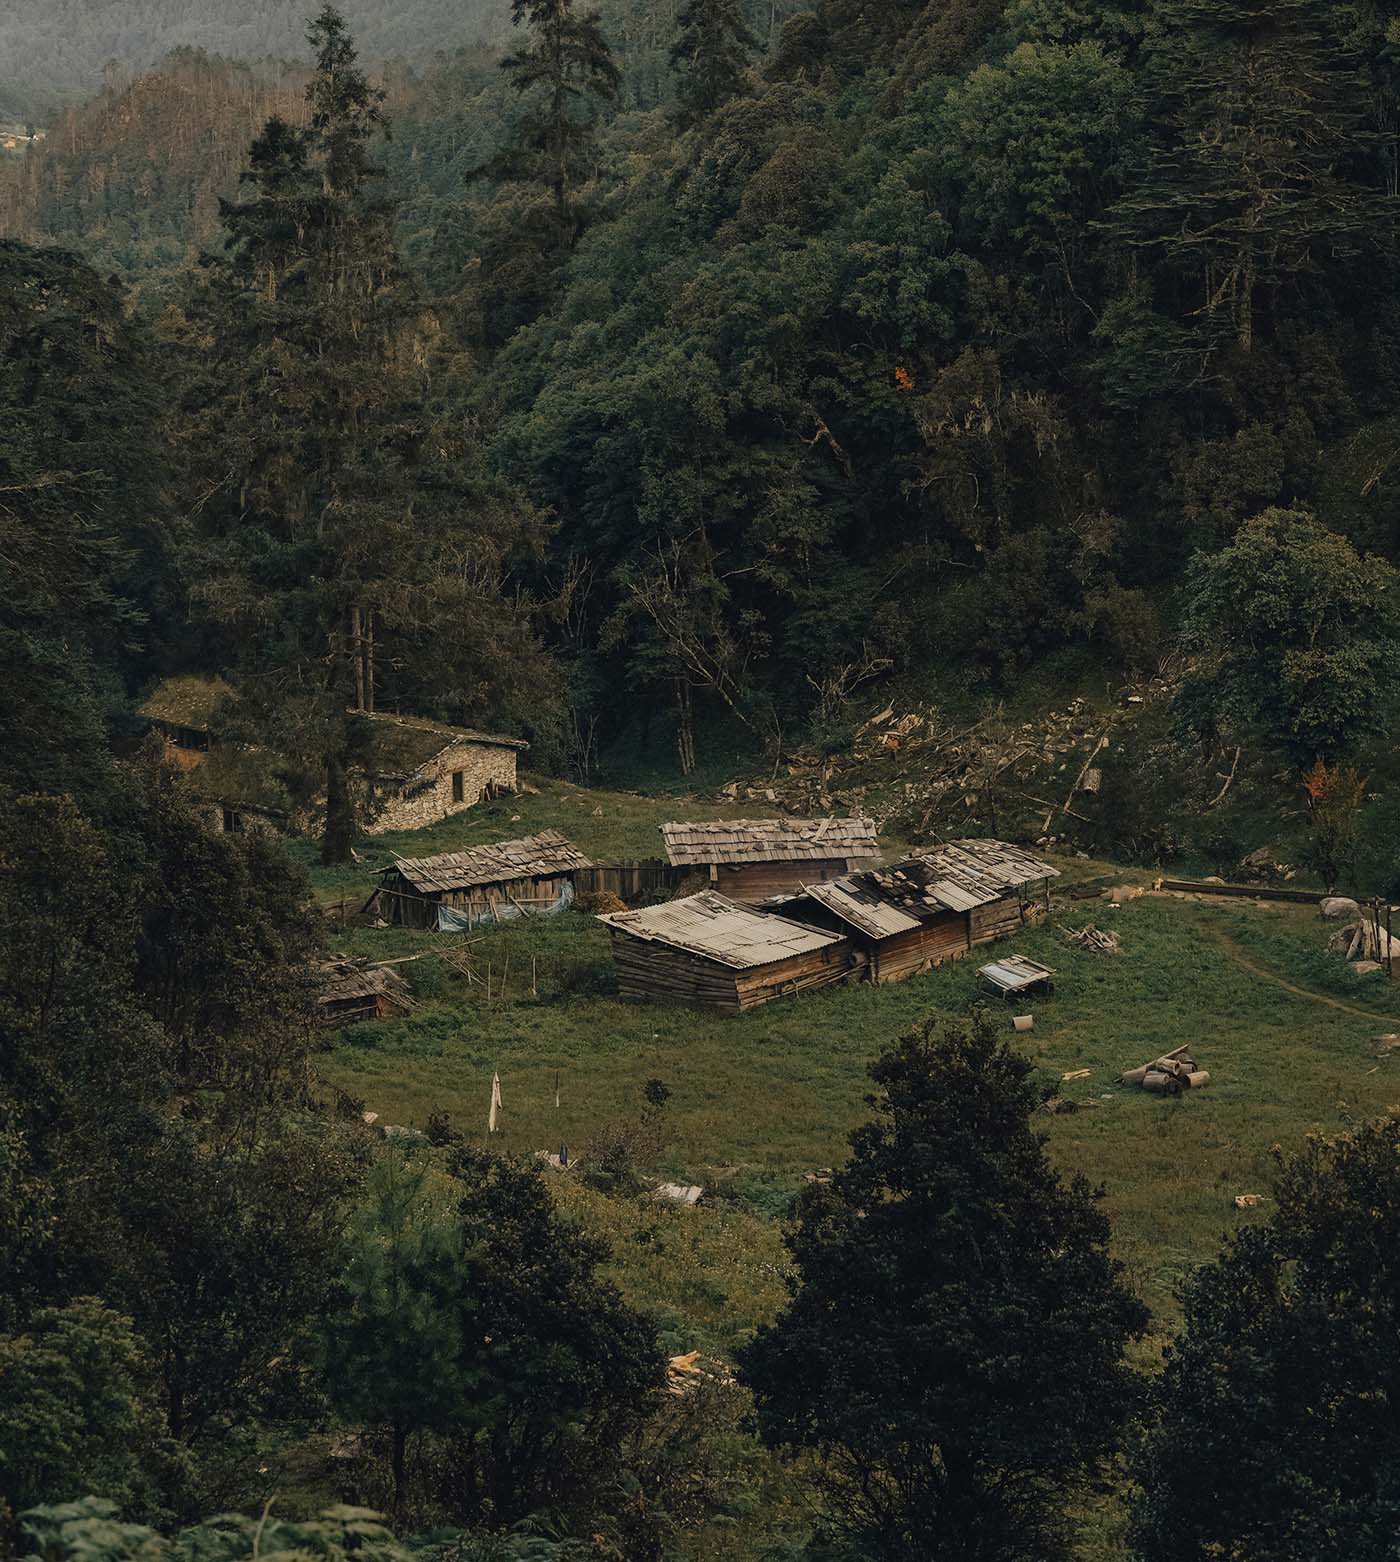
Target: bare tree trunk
{"points": [[369, 659], [339, 834], [685, 728], [358, 655]]}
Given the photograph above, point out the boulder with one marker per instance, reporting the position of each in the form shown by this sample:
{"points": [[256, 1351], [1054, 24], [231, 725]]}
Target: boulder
{"points": [[1336, 907]]}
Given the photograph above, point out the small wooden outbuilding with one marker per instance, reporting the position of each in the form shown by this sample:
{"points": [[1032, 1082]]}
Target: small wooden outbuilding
{"points": [[182, 712], [533, 876], [930, 907], [751, 859], [709, 950], [350, 992]]}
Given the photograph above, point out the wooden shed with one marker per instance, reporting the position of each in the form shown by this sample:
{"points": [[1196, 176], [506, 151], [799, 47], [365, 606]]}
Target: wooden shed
{"points": [[183, 711], [930, 907], [533, 876], [351, 991], [709, 950], [751, 859]]}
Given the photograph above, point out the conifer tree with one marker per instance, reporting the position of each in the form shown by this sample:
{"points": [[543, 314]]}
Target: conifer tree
{"points": [[1245, 188], [346, 516], [953, 1349], [567, 69], [709, 56]]}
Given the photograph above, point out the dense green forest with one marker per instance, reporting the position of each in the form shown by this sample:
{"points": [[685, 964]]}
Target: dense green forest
{"points": [[681, 382]]}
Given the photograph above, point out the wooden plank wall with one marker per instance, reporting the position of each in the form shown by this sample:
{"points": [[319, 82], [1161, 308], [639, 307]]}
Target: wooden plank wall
{"points": [[637, 883], [754, 881], [650, 970], [907, 954]]}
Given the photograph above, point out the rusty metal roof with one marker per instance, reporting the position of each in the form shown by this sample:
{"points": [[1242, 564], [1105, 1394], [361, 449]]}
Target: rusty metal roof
{"points": [[768, 840], [862, 907], [881, 902], [532, 857], [718, 929]]}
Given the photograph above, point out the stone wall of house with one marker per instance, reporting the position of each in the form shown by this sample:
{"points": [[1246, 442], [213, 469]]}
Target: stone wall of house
{"points": [[429, 797], [251, 822]]}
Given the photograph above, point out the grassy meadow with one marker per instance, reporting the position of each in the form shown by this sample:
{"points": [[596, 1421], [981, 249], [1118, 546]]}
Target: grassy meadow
{"points": [[761, 1099]]}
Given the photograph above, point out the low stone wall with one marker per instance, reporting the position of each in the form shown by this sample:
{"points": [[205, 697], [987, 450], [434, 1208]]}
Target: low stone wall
{"points": [[429, 798]]}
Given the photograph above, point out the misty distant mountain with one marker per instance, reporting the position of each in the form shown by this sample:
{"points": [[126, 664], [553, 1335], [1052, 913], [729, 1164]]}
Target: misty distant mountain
{"points": [[53, 52]]}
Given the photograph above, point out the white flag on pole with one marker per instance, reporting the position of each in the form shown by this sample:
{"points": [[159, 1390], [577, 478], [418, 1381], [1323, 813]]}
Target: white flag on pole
{"points": [[495, 1103]]}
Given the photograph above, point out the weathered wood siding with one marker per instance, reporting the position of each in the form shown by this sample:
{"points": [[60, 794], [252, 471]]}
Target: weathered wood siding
{"points": [[638, 883], [402, 904], [651, 970], [947, 937], [754, 881]]}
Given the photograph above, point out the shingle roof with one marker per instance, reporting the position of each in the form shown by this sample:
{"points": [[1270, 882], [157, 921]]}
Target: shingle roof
{"points": [[715, 927], [956, 877], [403, 745], [342, 981], [768, 840], [534, 856], [188, 701]]}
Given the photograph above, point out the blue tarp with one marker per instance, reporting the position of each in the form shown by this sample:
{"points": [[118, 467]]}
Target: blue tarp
{"points": [[450, 920]]}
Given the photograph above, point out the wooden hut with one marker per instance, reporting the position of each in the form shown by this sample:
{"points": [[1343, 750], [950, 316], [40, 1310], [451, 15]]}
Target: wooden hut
{"points": [[709, 950], [350, 992], [751, 859], [183, 711], [930, 907], [488, 884]]}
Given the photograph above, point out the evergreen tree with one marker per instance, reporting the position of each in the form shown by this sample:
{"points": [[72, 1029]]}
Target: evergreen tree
{"points": [[567, 70], [1245, 189], [351, 543], [1279, 1392], [954, 1344], [709, 56]]}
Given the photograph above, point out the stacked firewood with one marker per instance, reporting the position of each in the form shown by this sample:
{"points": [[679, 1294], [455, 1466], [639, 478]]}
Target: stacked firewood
{"points": [[1168, 1075], [1093, 939]]}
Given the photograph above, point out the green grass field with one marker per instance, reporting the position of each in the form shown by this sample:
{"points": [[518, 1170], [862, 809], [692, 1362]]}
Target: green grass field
{"points": [[760, 1099]]}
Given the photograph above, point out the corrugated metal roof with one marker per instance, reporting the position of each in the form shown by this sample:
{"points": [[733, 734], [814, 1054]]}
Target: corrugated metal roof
{"points": [[1015, 972], [532, 857], [857, 905], [768, 840], [956, 877], [717, 928]]}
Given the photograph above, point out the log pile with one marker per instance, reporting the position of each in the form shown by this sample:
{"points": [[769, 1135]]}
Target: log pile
{"points": [[1168, 1075], [1094, 939]]}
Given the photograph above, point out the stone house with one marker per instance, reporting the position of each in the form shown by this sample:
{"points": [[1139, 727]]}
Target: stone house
{"points": [[422, 771]]}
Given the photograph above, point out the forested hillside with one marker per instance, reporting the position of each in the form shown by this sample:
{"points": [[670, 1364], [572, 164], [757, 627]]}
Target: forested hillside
{"points": [[720, 399], [57, 52]]}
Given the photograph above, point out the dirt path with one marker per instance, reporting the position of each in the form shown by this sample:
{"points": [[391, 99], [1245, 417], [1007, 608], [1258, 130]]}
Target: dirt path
{"points": [[1240, 958]]}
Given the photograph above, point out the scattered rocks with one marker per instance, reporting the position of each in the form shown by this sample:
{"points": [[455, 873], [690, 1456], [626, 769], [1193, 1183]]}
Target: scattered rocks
{"points": [[1365, 967]]}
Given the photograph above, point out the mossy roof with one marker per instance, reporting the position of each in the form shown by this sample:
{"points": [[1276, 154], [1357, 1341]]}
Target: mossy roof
{"points": [[404, 744], [188, 701], [240, 778]]}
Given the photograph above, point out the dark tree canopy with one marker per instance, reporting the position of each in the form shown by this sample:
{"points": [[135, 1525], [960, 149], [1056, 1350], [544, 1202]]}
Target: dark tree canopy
{"points": [[1279, 1390], [953, 1349]]}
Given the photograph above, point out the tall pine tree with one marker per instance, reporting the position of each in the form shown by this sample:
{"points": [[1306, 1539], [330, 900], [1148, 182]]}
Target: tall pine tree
{"points": [[352, 542], [567, 71], [709, 55]]}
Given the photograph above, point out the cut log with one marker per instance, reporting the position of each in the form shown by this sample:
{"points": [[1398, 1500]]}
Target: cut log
{"points": [[1197, 1080]]}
